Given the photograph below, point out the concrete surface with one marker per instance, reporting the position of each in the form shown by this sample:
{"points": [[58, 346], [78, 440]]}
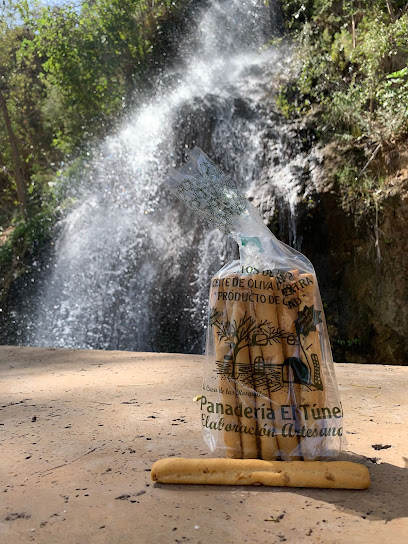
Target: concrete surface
{"points": [[81, 429]]}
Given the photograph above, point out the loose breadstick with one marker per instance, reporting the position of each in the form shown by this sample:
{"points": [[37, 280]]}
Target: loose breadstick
{"points": [[273, 355], [335, 474], [232, 439], [243, 377]]}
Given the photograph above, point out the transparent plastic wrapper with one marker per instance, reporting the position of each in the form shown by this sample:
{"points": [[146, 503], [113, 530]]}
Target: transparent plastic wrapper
{"points": [[269, 388]]}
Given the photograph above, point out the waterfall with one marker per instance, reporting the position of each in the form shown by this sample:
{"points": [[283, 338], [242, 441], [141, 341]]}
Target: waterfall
{"points": [[131, 265]]}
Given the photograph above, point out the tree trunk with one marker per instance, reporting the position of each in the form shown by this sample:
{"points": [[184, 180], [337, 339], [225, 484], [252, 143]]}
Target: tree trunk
{"points": [[353, 31], [391, 11], [18, 171]]}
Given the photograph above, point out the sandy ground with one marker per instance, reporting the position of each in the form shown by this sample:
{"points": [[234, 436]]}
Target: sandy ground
{"points": [[80, 430]]}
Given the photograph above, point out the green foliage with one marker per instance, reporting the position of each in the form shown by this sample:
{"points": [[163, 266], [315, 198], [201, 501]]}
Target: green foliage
{"points": [[360, 191], [289, 101], [353, 64], [25, 239], [347, 343], [24, 93], [93, 58], [67, 72]]}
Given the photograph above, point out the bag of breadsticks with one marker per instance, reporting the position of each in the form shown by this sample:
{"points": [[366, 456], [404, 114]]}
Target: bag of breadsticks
{"points": [[269, 388]]}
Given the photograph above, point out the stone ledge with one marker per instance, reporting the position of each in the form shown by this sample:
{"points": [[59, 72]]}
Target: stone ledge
{"points": [[80, 430]]}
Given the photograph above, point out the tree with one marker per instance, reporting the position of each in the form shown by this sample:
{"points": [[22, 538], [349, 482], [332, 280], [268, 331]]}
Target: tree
{"points": [[245, 332], [26, 152], [93, 58], [66, 73], [18, 170]]}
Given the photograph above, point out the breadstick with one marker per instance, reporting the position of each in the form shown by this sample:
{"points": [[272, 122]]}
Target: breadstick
{"points": [[287, 314], [311, 354], [334, 474], [268, 444], [232, 439], [244, 386], [273, 355], [306, 395], [310, 343], [267, 441]]}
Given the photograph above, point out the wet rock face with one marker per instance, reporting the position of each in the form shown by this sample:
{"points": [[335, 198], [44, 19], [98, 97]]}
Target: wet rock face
{"points": [[388, 286], [359, 255]]}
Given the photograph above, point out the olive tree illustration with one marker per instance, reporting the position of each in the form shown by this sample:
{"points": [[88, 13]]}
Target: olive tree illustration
{"points": [[245, 332]]}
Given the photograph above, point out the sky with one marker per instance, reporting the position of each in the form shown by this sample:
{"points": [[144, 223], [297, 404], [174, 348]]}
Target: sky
{"points": [[32, 3], [52, 2]]}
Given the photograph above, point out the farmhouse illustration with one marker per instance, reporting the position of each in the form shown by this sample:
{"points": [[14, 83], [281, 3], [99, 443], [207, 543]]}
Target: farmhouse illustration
{"points": [[248, 332]]}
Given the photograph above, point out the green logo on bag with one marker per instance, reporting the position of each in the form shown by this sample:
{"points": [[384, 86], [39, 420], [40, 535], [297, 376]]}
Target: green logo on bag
{"points": [[307, 320], [252, 240]]}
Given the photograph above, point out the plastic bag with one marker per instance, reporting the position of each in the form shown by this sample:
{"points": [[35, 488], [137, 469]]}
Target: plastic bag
{"points": [[269, 386]]}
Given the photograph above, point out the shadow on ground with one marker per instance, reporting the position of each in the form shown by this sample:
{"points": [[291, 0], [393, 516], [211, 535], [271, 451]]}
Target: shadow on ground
{"points": [[385, 499]]}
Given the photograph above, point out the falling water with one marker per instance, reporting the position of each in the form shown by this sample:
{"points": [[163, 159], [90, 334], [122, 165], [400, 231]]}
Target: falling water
{"points": [[131, 267]]}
